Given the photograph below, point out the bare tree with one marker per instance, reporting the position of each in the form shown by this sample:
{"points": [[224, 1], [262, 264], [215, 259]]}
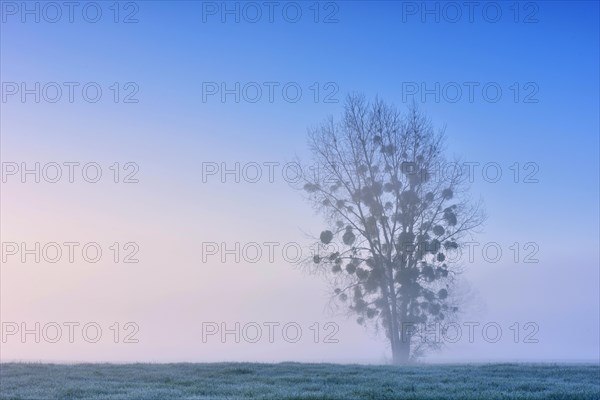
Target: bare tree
{"points": [[392, 219]]}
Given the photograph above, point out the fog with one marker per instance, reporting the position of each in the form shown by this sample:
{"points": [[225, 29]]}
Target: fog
{"points": [[185, 247]]}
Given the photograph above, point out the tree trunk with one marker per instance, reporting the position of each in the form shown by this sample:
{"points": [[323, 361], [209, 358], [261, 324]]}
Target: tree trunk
{"points": [[401, 355], [395, 323], [397, 346], [387, 309]]}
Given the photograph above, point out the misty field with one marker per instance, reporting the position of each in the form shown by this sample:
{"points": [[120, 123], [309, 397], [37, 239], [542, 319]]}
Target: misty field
{"points": [[298, 381]]}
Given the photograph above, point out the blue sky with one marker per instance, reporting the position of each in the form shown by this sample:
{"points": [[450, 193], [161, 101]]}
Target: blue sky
{"points": [[374, 48]]}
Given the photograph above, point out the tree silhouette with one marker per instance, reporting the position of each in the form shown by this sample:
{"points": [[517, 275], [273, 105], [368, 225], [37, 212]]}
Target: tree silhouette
{"points": [[392, 219]]}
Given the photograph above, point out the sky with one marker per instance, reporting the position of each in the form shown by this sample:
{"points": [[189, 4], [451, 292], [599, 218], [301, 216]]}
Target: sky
{"points": [[153, 96]]}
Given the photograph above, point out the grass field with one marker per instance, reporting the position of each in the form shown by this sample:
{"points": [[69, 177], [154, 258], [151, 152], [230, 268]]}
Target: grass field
{"points": [[298, 381]]}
